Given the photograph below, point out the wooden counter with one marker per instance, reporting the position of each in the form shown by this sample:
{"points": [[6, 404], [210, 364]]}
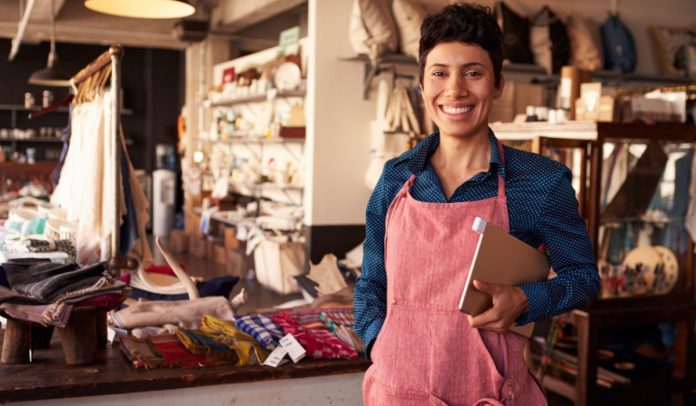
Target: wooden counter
{"points": [[49, 378]]}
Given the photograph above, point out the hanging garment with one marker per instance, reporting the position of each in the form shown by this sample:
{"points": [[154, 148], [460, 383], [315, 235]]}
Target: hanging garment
{"points": [[88, 196], [690, 221], [426, 351]]}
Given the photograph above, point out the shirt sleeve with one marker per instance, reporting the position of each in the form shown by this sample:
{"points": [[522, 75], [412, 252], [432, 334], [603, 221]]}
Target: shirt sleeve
{"points": [[564, 234], [370, 303]]}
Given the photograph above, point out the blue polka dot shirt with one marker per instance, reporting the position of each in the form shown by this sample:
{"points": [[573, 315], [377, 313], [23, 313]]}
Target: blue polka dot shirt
{"points": [[542, 208]]}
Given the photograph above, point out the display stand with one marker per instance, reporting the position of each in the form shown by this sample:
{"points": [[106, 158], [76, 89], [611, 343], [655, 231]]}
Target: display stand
{"points": [[678, 306], [87, 326]]}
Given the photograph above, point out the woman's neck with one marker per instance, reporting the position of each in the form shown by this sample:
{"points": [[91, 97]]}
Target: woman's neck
{"points": [[456, 153], [456, 160]]}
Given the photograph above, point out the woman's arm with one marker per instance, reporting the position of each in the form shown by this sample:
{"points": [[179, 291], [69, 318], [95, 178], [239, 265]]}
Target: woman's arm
{"points": [[370, 305], [564, 234]]}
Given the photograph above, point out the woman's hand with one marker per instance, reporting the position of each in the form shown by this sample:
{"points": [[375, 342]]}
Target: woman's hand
{"points": [[509, 302]]}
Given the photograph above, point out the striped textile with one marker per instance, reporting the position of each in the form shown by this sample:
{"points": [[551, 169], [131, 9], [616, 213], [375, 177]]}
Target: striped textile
{"points": [[262, 329]]}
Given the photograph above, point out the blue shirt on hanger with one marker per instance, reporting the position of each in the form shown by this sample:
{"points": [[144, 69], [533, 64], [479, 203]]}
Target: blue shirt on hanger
{"points": [[542, 208]]}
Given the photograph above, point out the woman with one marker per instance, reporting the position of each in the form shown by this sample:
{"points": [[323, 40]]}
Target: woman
{"points": [[419, 242]]}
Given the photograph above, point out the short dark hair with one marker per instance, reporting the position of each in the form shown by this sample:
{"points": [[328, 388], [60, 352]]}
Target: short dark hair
{"points": [[462, 22]]}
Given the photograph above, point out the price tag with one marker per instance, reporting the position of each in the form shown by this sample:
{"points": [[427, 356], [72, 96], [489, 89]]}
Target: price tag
{"points": [[276, 356], [295, 350]]}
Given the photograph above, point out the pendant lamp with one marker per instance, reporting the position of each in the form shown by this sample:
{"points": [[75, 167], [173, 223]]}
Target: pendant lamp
{"points": [[51, 75], [153, 9]]}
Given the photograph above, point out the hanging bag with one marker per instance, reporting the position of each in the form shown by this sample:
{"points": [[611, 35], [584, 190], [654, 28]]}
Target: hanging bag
{"points": [[619, 47]]}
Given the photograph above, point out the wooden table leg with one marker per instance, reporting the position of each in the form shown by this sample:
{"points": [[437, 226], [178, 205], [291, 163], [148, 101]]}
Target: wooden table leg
{"points": [[16, 342], [588, 348], [79, 337]]}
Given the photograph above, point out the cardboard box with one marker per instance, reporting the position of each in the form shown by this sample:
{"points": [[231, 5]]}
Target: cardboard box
{"points": [[220, 254], [237, 263], [178, 241], [231, 241]]}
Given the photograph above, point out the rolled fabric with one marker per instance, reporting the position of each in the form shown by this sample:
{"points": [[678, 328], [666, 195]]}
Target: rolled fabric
{"points": [[185, 313]]}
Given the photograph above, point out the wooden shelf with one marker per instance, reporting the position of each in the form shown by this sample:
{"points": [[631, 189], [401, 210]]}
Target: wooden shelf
{"points": [[19, 107], [256, 98], [260, 140], [47, 140], [266, 186]]}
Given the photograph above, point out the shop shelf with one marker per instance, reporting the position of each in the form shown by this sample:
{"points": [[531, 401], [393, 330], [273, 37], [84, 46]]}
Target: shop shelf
{"points": [[255, 98]]}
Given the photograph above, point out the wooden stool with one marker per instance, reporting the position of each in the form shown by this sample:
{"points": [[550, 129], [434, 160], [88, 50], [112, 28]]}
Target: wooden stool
{"points": [[80, 338]]}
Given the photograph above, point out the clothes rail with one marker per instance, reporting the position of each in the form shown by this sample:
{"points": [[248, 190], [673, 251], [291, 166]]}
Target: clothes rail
{"points": [[112, 56]]}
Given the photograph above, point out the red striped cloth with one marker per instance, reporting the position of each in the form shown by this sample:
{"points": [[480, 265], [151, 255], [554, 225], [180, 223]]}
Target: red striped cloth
{"points": [[319, 343]]}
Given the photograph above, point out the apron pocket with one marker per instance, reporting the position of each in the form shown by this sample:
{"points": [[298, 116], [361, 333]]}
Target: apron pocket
{"points": [[401, 353]]}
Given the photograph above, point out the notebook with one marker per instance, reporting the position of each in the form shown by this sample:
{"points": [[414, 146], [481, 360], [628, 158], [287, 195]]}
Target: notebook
{"points": [[502, 259]]}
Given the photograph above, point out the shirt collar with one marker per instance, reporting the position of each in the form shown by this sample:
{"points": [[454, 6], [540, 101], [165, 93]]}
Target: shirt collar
{"points": [[424, 149]]}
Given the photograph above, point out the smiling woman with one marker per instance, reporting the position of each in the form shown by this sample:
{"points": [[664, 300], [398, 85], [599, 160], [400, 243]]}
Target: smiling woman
{"points": [[419, 242]]}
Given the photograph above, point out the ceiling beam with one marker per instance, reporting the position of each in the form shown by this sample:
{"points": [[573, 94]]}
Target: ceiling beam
{"points": [[93, 35], [233, 16]]}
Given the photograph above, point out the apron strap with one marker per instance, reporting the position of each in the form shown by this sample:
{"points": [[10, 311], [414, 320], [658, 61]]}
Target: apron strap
{"points": [[501, 181]]}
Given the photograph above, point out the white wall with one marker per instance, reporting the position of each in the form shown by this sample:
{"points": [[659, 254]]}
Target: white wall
{"points": [[338, 120]]}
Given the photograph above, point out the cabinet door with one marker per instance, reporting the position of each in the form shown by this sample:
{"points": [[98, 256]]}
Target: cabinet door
{"points": [[643, 203]]}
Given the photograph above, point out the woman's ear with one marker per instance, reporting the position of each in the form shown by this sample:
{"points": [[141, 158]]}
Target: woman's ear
{"points": [[500, 87]]}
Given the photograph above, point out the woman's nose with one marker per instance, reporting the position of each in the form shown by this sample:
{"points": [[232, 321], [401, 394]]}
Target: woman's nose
{"points": [[456, 87]]}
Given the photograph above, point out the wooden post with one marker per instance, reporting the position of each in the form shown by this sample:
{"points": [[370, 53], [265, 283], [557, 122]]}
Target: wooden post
{"points": [[15, 345], [79, 337]]}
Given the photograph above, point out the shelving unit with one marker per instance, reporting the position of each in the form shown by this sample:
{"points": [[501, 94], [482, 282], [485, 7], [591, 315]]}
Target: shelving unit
{"points": [[256, 98], [678, 306], [537, 73], [15, 109]]}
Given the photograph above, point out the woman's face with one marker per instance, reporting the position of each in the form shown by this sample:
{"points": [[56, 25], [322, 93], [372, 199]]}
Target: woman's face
{"points": [[459, 88]]}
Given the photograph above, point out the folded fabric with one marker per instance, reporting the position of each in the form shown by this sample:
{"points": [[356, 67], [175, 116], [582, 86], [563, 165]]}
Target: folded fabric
{"points": [[48, 281], [202, 345], [220, 286], [248, 350], [160, 351], [47, 315], [319, 343], [27, 271], [140, 352], [262, 329], [311, 318], [175, 354], [334, 320], [104, 301], [103, 286], [185, 313]]}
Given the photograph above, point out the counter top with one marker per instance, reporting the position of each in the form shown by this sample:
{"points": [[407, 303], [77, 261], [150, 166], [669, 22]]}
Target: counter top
{"points": [[49, 378]]}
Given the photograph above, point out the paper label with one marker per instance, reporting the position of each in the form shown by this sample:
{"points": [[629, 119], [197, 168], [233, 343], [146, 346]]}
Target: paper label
{"points": [[276, 356], [295, 350], [110, 335]]}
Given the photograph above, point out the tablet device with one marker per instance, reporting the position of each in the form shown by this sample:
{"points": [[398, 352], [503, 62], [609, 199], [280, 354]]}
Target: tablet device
{"points": [[502, 259]]}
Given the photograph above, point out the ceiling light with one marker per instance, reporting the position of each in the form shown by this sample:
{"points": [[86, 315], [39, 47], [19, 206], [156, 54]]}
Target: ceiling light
{"points": [[51, 75], [142, 8]]}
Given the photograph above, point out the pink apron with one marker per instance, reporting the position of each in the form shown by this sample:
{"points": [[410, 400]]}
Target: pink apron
{"points": [[426, 352]]}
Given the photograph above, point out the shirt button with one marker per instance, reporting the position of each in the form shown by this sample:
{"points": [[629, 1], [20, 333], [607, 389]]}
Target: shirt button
{"points": [[509, 397], [393, 301], [508, 383]]}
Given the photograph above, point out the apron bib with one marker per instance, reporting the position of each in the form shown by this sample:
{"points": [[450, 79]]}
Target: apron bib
{"points": [[427, 353]]}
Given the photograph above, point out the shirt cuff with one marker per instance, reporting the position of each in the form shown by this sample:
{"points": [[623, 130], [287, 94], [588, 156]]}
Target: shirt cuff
{"points": [[537, 302], [371, 334]]}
